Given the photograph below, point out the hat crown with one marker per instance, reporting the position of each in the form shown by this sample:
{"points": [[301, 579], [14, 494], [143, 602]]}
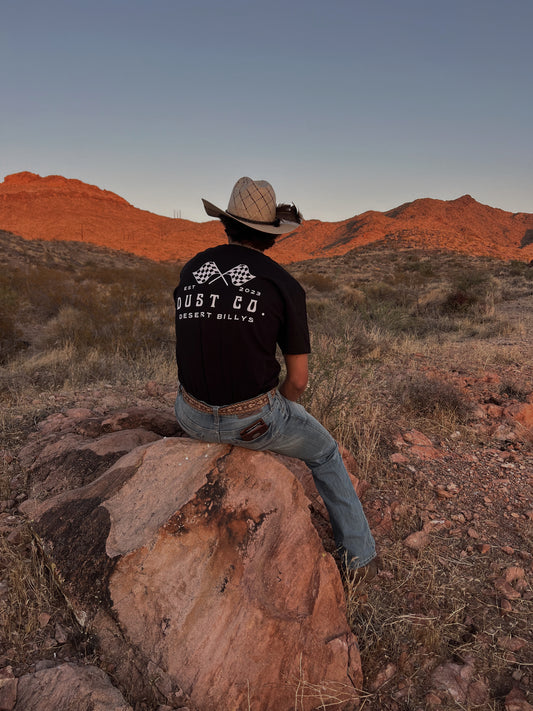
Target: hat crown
{"points": [[253, 200]]}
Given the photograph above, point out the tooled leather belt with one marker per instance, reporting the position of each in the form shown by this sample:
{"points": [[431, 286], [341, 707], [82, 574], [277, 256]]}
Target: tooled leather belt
{"points": [[241, 409]]}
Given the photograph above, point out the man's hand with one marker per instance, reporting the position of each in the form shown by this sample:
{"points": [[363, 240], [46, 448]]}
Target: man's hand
{"points": [[297, 376]]}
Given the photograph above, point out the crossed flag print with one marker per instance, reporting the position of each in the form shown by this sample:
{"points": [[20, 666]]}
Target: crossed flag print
{"points": [[238, 275]]}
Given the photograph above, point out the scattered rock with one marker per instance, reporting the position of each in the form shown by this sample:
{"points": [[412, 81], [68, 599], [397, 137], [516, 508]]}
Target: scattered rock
{"points": [[427, 453], [418, 540], [383, 676], [505, 606], [521, 413], [513, 573], [432, 700], [516, 701], [68, 687], [456, 680], [43, 619], [398, 458], [506, 590], [8, 689], [511, 644], [416, 438]]}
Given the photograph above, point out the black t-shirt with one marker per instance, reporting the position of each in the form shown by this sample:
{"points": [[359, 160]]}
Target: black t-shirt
{"points": [[233, 305]]}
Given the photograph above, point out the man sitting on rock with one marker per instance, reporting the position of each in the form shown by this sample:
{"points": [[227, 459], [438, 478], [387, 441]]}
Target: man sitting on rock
{"points": [[233, 306]]}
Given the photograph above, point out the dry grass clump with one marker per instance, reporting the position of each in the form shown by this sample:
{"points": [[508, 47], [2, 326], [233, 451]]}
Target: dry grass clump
{"points": [[319, 282], [30, 598], [512, 389], [432, 398]]}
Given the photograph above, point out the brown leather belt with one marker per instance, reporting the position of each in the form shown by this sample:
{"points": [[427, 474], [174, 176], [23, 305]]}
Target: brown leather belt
{"points": [[241, 409]]}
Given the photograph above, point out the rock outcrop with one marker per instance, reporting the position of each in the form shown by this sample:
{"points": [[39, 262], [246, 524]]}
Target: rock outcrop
{"points": [[200, 571], [71, 449]]}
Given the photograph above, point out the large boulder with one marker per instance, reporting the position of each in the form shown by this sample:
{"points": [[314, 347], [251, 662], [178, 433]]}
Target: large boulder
{"points": [[201, 562]]}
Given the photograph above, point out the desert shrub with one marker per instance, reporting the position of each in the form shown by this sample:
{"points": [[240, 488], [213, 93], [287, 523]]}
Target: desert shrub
{"points": [[43, 290], [516, 268], [351, 296], [320, 282], [514, 391], [389, 316], [473, 290], [428, 397], [381, 291], [424, 267]]}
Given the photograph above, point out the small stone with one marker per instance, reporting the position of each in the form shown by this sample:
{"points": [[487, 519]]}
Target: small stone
{"points": [[473, 533], [478, 693], [425, 452], [399, 441], [398, 458], [505, 606], [516, 701], [61, 634], [506, 590], [432, 700], [513, 573], [8, 693], [153, 388], [418, 540], [512, 644], [44, 664], [417, 438], [521, 585], [383, 676], [484, 548], [43, 619], [508, 550]]}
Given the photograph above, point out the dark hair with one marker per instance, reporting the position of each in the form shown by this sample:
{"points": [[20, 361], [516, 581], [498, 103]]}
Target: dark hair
{"points": [[237, 232]]}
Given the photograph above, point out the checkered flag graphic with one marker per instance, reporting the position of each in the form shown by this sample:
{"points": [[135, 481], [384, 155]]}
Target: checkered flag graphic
{"points": [[239, 275], [205, 272]]}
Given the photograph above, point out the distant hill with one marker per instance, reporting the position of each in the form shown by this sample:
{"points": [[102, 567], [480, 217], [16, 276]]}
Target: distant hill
{"points": [[461, 225], [57, 208]]}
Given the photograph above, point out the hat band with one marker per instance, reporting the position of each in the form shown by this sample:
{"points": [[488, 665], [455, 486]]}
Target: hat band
{"points": [[276, 222]]}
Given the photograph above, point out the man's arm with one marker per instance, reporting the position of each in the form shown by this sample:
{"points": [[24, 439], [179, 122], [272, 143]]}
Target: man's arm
{"points": [[297, 376]]}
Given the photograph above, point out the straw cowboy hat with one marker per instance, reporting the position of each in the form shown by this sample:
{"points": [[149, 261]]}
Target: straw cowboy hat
{"points": [[253, 203]]}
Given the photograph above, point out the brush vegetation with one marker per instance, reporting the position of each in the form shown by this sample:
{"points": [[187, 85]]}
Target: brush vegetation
{"points": [[73, 319]]}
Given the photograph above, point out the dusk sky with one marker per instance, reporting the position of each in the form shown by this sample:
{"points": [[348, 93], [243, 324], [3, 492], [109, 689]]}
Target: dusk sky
{"points": [[343, 105]]}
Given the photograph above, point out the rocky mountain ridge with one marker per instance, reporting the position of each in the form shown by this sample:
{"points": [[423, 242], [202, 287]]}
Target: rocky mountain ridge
{"points": [[58, 208]]}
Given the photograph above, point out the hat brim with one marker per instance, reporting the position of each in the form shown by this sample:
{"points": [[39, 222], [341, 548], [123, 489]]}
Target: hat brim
{"points": [[283, 228]]}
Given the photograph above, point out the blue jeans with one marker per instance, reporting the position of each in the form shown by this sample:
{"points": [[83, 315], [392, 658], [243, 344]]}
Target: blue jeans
{"points": [[294, 432]]}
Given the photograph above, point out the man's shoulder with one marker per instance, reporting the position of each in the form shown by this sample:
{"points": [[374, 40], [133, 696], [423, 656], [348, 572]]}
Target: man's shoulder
{"points": [[282, 275], [204, 255]]}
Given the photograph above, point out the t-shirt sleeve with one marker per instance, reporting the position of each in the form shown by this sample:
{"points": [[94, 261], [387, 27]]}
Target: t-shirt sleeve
{"points": [[293, 338]]}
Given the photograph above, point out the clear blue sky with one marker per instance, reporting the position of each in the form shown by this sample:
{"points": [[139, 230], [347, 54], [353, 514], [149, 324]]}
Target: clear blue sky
{"points": [[343, 105]]}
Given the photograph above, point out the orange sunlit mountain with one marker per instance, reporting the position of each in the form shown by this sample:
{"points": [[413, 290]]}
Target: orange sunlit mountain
{"points": [[57, 208]]}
